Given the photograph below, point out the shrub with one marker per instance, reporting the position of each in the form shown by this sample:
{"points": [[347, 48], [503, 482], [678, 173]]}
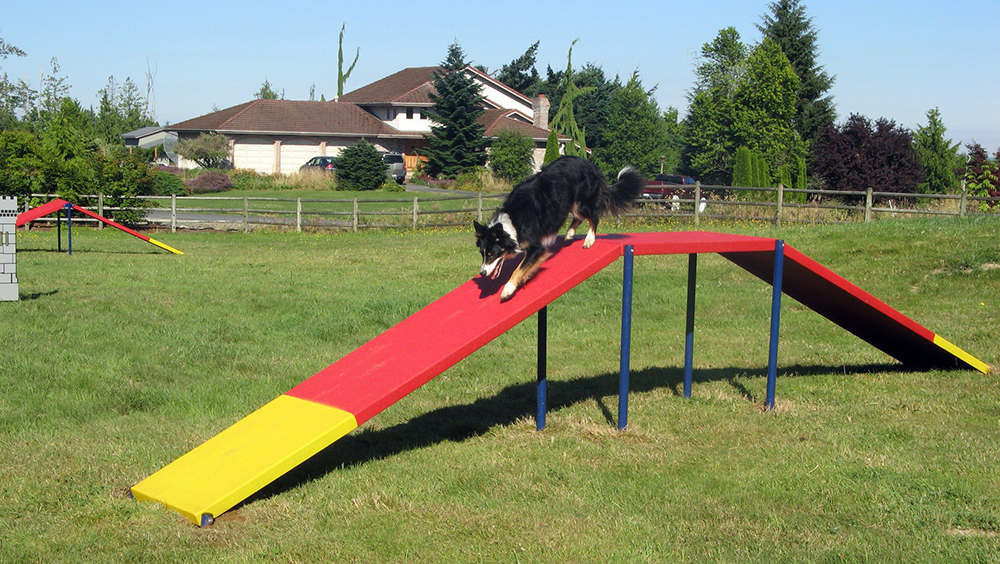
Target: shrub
{"points": [[361, 167], [167, 184], [210, 182], [391, 185], [511, 156]]}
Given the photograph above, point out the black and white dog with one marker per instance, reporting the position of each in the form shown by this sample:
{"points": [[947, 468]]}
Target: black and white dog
{"points": [[536, 209]]}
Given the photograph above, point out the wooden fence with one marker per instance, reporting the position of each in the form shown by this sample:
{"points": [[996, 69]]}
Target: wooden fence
{"points": [[777, 205]]}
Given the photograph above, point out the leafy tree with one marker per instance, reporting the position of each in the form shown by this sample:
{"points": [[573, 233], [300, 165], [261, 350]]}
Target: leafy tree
{"points": [[122, 178], [636, 133], [456, 142], [341, 75], [741, 97], [65, 135], [981, 176], [6, 49], [361, 167], [511, 156], [792, 30], [209, 150], [21, 164], [521, 74], [267, 92], [860, 154], [938, 156], [765, 101], [121, 108]]}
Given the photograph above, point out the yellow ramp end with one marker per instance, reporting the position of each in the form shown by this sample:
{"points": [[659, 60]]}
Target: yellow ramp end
{"points": [[961, 355], [240, 460], [165, 246]]}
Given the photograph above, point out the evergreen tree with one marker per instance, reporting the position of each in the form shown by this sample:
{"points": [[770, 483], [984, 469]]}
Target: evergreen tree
{"points": [[636, 133], [551, 147], [361, 167], [743, 167], [564, 121], [267, 92], [341, 75], [456, 143], [938, 156], [521, 74], [741, 97], [792, 30]]}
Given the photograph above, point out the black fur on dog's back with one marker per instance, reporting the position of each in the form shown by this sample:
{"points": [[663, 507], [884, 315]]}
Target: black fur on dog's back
{"points": [[539, 205]]}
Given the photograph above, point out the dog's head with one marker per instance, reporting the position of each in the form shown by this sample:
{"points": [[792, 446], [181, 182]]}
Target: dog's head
{"points": [[495, 244]]}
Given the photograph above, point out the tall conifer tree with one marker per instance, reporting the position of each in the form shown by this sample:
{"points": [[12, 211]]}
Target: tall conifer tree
{"points": [[456, 143], [793, 31]]}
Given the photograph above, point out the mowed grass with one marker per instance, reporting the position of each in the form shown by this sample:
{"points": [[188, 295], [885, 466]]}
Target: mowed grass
{"points": [[121, 358]]}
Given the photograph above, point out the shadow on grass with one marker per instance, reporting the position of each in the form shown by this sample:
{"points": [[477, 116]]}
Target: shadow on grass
{"points": [[515, 402]]}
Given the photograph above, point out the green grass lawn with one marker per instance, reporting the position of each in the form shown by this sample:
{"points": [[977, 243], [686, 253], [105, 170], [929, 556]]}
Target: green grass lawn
{"points": [[121, 358]]}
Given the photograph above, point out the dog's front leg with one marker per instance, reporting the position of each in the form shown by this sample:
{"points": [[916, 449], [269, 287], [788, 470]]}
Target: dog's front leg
{"points": [[534, 256]]}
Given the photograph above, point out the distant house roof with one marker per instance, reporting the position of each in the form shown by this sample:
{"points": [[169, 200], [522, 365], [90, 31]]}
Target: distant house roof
{"points": [[498, 120], [290, 117], [409, 87]]}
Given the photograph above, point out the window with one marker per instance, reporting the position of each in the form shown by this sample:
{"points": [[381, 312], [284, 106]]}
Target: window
{"points": [[409, 113]]}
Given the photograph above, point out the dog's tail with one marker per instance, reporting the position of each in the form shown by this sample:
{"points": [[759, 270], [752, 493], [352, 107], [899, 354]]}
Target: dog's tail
{"points": [[628, 187]]}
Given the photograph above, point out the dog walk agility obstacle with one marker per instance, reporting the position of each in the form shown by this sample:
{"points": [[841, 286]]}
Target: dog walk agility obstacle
{"points": [[60, 204], [253, 452]]}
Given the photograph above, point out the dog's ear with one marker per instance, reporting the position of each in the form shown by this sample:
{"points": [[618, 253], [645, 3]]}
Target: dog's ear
{"points": [[480, 228]]}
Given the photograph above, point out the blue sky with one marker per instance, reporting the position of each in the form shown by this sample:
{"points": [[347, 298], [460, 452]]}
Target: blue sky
{"points": [[894, 59]]}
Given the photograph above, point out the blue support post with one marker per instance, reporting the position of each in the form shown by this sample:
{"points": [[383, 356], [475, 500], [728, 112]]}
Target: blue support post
{"points": [[69, 228], [543, 382], [772, 361], [689, 329], [626, 339]]}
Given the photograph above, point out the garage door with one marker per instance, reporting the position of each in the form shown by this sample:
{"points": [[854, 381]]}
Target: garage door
{"points": [[254, 153], [295, 153]]}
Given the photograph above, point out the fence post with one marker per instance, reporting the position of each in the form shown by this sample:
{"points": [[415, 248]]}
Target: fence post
{"points": [[246, 214], [354, 216], [414, 212], [963, 202], [100, 209], [868, 205], [298, 215], [479, 207], [781, 201], [173, 213], [697, 202]]}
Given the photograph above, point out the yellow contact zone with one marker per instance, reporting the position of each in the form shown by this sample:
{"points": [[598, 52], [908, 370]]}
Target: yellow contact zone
{"points": [[165, 246], [962, 355], [253, 452]]}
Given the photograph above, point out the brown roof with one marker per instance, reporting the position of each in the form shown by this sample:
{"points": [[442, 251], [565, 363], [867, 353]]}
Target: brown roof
{"points": [[289, 117], [408, 86], [499, 120]]}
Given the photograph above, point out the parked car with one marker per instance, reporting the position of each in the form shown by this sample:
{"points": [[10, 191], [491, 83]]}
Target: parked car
{"points": [[397, 166], [664, 186], [324, 164]]}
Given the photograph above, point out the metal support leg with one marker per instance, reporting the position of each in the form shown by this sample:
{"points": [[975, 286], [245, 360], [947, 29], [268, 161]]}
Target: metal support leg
{"points": [[543, 382], [626, 339], [772, 361], [689, 330], [69, 228]]}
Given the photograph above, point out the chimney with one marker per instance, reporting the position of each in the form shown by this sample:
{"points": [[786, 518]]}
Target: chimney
{"points": [[540, 111]]}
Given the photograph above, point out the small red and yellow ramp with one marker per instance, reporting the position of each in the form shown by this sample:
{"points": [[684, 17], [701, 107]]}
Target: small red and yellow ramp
{"points": [[228, 468], [60, 204]]}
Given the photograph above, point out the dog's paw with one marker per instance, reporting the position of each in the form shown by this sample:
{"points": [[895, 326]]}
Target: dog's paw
{"points": [[588, 242], [570, 233], [508, 291]]}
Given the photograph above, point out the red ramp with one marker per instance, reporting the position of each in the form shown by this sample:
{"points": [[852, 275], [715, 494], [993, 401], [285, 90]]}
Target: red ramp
{"points": [[59, 204], [240, 460]]}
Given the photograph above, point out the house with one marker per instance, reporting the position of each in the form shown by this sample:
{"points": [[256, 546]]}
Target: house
{"points": [[278, 136]]}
